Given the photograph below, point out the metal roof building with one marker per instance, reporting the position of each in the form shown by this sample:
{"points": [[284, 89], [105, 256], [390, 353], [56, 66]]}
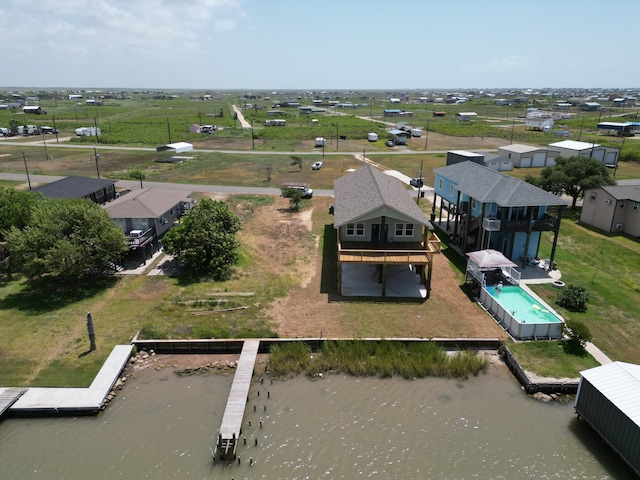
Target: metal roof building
{"points": [[178, 147], [608, 399]]}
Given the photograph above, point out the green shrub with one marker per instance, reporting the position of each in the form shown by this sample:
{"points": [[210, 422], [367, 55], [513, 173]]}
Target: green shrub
{"points": [[578, 335], [574, 298]]}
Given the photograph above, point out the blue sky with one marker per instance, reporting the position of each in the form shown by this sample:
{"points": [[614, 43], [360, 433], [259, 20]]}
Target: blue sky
{"points": [[313, 44]]}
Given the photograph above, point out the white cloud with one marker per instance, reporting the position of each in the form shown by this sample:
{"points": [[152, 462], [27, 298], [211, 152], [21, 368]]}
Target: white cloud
{"points": [[121, 27]]}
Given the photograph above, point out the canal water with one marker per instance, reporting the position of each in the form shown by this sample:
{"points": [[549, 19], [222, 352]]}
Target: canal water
{"points": [[161, 426]]}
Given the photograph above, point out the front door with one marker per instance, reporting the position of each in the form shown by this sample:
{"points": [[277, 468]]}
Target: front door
{"points": [[375, 233]]}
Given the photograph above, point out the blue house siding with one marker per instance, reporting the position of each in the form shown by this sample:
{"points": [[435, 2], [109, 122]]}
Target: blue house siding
{"points": [[516, 212]]}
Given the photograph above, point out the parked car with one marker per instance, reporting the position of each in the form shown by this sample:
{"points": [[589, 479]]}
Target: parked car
{"points": [[416, 182], [316, 166]]}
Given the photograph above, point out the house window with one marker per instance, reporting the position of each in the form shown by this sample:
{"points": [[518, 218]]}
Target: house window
{"points": [[404, 229], [473, 204], [622, 204], [634, 207], [594, 195], [451, 190], [355, 229], [440, 182]]}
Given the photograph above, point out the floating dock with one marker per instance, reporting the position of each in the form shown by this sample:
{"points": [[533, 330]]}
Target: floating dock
{"points": [[231, 427]]}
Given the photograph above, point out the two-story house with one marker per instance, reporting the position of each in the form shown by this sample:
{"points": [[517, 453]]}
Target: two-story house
{"points": [[613, 208], [146, 214], [481, 208], [379, 225]]}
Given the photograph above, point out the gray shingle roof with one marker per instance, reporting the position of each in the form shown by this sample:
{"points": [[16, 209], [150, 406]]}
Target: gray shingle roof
{"points": [[629, 190], [145, 203], [73, 187], [361, 193], [489, 186]]}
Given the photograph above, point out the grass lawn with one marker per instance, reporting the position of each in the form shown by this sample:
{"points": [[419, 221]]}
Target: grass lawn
{"points": [[609, 268], [549, 359]]}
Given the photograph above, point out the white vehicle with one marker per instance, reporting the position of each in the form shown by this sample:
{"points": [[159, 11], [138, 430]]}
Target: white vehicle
{"points": [[27, 130], [373, 137], [87, 131], [4, 132], [320, 142], [316, 166], [303, 187]]}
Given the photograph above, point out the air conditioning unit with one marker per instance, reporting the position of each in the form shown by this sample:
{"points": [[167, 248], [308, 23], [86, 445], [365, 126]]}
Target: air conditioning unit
{"points": [[618, 225]]}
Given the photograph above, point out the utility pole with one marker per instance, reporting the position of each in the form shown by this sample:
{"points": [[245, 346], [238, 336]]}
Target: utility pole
{"points": [[92, 335], [426, 135], [44, 140], [24, 157], [97, 155], [169, 129], [253, 141], [420, 182]]}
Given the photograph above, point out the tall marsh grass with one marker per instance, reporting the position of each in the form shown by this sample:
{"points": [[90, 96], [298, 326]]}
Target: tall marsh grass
{"points": [[371, 358]]}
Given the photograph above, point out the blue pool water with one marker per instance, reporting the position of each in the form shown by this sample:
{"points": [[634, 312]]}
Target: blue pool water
{"points": [[522, 306]]}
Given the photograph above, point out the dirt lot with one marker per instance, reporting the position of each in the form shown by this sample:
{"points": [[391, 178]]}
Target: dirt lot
{"points": [[289, 245]]}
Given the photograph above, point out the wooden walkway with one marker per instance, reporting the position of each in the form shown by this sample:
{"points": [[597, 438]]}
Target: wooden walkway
{"points": [[237, 402], [8, 396]]}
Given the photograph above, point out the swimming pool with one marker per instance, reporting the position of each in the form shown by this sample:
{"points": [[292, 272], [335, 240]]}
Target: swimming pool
{"points": [[522, 315]]}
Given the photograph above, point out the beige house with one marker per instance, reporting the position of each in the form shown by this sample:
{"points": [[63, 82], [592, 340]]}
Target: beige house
{"points": [[381, 228], [614, 209]]}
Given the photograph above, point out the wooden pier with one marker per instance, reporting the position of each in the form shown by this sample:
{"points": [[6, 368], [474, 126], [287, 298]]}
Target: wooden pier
{"points": [[230, 429], [9, 396]]}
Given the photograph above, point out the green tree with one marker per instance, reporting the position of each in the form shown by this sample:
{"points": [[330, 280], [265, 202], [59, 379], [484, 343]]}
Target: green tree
{"points": [[13, 126], [294, 195], [205, 239], [15, 209], [66, 239], [573, 176], [295, 160]]}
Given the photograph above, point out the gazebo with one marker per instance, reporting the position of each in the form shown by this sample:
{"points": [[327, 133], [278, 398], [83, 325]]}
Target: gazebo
{"points": [[491, 266]]}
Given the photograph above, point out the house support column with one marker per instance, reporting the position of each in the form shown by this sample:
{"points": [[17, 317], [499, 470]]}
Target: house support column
{"points": [[555, 235], [339, 278], [383, 280], [525, 255], [429, 267]]}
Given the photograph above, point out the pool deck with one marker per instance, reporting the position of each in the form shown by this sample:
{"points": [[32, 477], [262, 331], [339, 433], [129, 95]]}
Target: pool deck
{"points": [[52, 401]]}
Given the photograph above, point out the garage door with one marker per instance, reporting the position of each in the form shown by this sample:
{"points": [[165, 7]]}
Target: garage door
{"points": [[525, 162], [539, 159]]}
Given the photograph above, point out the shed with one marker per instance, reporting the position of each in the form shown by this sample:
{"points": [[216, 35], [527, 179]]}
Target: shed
{"points": [[95, 189], [626, 129], [526, 156], [399, 137], [458, 156], [574, 148], [466, 116], [179, 147], [607, 399]]}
